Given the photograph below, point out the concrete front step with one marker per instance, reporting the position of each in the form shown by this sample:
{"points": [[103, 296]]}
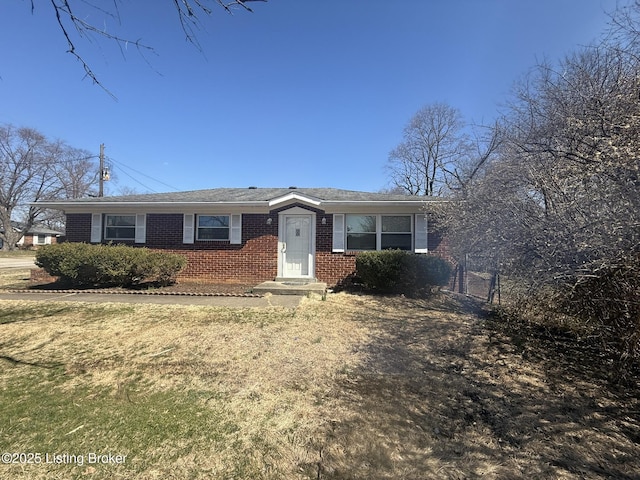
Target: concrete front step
{"points": [[291, 287]]}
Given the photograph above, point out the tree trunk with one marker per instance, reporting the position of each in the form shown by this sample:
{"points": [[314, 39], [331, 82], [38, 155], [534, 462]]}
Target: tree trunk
{"points": [[9, 235]]}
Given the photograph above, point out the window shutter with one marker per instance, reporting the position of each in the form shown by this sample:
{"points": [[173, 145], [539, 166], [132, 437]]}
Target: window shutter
{"points": [[188, 228], [338, 232], [420, 234], [96, 227], [141, 228], [235, 234]]}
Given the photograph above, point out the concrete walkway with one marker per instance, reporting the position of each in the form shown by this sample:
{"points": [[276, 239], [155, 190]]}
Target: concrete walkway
{"points": [[291, 288], [285, 298], [288, 301]]}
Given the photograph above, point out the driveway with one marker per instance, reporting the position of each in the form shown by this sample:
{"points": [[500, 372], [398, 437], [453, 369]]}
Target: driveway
{"points": [[17, 262]]}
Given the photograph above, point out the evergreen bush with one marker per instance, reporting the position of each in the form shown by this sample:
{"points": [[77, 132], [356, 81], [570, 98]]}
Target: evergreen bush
{"points": [[82, 264], [398, 271]]}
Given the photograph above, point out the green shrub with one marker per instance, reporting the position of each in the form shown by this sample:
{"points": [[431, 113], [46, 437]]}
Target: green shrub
{"points": [[381, 270], [431, 270], [398, 271], [165, 267], [63, 260], [81, 264]]}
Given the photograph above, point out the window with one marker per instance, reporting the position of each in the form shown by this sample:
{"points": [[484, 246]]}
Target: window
{"points": [[361, 232], [120, 227], [379, 232], [39, 239], [396, 232], [213, 227]]}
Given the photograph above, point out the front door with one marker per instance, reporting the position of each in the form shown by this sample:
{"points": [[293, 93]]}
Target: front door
{"points": [[296, 248]]}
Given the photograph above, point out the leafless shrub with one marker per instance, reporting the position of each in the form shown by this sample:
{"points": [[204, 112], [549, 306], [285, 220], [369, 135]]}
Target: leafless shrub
{"points": [[559, 210], [607, 296]]}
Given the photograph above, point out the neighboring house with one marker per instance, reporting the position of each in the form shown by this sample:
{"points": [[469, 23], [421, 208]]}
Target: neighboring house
{"points": [[36, 236], [248, 235]]}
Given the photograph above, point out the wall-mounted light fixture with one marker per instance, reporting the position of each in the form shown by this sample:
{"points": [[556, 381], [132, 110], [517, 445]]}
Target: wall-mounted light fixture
{"points": [[324, 220], [269, 221]]}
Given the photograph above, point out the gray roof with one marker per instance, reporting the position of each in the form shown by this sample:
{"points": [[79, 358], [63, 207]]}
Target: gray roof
{"points": [[34, 230], [249, 195]]}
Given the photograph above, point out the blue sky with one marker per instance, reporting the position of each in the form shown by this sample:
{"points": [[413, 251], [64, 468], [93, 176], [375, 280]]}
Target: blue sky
{"points": [[305, 93]]}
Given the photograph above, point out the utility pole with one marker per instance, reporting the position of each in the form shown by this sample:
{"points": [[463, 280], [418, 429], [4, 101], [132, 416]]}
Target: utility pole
{"points": [[104, 173], [101, 183]]}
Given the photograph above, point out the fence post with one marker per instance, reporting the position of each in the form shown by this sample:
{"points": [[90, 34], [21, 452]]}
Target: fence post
{"points": [[492, 287]]}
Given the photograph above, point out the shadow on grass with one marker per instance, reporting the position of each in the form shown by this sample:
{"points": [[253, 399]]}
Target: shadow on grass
{"points": [[438, 397], [29, 313], [66, 285], [16, 362]]}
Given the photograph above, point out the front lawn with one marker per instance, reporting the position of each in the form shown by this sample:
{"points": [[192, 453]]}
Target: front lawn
{"points": [[17, 253], [351, 387]]}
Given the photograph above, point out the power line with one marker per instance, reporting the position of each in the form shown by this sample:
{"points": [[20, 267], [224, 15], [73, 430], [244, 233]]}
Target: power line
{"points": [[139, 182], [122, 167]]}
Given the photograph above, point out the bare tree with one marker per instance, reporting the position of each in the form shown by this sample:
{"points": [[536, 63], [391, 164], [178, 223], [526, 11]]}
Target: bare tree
{"points": [[564, 193], [479, 152], [31, 169], [436, 155], [559, 211], [72, 17]]}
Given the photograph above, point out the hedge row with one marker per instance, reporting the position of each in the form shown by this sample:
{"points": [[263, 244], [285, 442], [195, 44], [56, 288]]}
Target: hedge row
{"points": [[398, 271], [82, 264]]}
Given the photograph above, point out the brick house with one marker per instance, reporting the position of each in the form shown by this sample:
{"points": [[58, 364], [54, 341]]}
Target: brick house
{"points": [[35, 237], [250, 235]]}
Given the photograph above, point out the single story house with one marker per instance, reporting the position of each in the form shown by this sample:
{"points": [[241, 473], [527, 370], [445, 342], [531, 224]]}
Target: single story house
{"points": [[250, 235], [36, 236]]}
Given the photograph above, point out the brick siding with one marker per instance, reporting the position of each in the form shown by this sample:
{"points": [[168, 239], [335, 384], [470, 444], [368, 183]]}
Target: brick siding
{"points": [[78, 228], [253, 261], [335, 268]]}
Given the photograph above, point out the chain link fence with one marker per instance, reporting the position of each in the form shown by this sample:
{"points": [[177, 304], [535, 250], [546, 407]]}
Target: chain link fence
{"points": [[471, 278]]}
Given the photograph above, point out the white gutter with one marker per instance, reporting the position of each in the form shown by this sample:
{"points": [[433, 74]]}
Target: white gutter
{"points": [[263, 205]]}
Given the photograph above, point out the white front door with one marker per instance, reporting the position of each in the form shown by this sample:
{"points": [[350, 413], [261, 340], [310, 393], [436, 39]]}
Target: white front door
{"points": [[296, 248]]}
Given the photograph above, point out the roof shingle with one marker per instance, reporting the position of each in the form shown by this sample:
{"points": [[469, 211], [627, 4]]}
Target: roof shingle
{"points": [[240, 195]]}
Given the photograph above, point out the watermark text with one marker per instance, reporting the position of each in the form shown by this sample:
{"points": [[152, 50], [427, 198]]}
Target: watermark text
{"points": [[92, 458]]}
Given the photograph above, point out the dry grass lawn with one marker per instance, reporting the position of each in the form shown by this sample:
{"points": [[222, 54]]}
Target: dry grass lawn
{"points": [[353, 387], [13, 278]]}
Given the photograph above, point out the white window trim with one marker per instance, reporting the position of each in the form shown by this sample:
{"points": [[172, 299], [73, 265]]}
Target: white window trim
{"points": [[106, 226], [190, 228], [379, 232], [139, 232], [197, 227]]}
